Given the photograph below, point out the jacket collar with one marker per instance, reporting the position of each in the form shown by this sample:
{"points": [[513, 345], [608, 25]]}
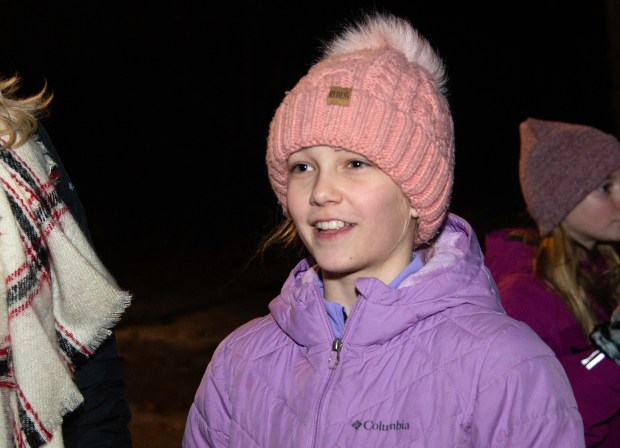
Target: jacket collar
{"points": [[453, 274]]}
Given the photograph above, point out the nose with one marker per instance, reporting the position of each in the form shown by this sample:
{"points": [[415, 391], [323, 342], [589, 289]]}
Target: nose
{"points": [[326, 189]]}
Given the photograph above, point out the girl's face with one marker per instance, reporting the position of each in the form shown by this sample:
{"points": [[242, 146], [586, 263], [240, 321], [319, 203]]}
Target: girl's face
{"points": [[351, 216], [597, 217]]}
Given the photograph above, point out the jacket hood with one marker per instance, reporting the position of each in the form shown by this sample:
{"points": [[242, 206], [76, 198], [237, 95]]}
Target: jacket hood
{"points": [[454, 274]]}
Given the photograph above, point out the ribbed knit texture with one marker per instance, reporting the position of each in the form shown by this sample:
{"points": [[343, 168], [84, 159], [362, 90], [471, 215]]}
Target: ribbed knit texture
{"points": [[560, 164], [396, 116]]}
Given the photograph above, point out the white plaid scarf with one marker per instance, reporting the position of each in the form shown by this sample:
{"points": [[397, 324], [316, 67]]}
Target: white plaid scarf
{"points": [[58, 302]]}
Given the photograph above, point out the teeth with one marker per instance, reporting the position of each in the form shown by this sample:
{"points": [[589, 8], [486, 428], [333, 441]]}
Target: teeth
{"points": [[334, 224]]}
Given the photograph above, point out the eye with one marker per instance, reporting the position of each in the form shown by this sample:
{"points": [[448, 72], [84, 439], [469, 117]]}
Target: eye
{"points": [[300, 168], [605, 187], [356, 163], [611, 183]]}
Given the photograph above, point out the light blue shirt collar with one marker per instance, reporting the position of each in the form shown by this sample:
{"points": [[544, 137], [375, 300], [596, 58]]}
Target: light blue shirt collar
{"points": [[336, 312]]}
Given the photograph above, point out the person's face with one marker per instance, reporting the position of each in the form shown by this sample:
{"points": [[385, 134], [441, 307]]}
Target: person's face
{"points": [[597, 217], [351, 216]]}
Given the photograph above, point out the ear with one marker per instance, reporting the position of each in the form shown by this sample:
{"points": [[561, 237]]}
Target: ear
{"points": [[414, 213]]}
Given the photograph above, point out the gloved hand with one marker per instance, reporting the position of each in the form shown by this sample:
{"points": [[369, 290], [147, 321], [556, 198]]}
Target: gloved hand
{"points": [[606, 337]]}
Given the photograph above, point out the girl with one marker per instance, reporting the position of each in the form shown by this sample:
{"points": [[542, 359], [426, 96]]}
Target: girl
{"points": [[390, 334], [563, 279]]}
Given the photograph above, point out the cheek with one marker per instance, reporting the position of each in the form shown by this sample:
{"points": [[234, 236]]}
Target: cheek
{"points": [[589, 216], [592, 212], [294, 216], [297, 209], [392, 208], [293, 202]]}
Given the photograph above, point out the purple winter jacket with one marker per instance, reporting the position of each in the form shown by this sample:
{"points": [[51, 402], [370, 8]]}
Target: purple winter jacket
{"points": [[435, 363], [530, 300]]}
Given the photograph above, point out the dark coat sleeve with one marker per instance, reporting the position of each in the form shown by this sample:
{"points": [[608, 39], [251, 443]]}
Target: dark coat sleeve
{"points": [[103, 418], [529, 299], [597, 391]]}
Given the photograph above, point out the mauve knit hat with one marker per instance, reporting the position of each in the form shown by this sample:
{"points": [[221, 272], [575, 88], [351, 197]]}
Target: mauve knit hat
{"points": [[377, 91], [560, 164]]}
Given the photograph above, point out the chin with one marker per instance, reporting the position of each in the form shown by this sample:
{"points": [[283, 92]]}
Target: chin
{"points": [[337, 269]]}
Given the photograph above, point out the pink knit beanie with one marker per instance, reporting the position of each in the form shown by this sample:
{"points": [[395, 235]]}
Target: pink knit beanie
{"points": [[377, 91], [560, 164]]}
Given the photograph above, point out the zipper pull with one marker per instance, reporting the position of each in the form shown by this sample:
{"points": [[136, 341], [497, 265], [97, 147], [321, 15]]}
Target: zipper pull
{"points": [[334, 357]]}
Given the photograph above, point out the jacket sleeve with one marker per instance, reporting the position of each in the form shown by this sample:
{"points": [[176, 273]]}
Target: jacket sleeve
{"points": [[209, 416], [597, 390], [103, 418], [524, 398], [102, 421]]}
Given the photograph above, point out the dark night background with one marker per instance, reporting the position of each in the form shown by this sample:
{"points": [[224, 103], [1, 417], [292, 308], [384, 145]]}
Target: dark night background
{"points": [[162, 108]]}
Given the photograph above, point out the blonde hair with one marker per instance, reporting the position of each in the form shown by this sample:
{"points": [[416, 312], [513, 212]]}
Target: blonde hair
{"points": [[19, 116], [581, 278], [285, 235]]}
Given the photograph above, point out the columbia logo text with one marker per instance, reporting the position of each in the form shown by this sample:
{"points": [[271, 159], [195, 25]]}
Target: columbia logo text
{"points": [[371, 425]]}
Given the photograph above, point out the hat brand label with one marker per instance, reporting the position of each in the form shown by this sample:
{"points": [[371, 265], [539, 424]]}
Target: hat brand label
{"points": [[339, 95]]}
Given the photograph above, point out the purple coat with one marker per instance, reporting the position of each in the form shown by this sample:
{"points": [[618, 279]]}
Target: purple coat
{"points": [[528, 299], [434, 363]]}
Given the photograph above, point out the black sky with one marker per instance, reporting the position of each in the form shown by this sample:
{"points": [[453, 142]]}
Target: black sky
{"points": [[161, 108]]}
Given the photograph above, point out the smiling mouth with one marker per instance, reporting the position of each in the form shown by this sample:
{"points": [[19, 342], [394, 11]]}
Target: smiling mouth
{"points": [[333, 224]]}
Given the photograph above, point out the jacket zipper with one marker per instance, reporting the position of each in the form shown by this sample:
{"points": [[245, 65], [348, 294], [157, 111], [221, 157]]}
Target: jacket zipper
{"points": [[332, 362], [334, 357]]}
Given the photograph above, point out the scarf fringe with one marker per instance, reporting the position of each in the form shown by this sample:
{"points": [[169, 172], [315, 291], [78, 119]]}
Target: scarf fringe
{"points": [[59, 301]]}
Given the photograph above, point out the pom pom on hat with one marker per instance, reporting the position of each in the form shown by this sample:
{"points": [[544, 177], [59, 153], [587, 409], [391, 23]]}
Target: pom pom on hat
{"points": [[377, 91], [560, 164]]}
